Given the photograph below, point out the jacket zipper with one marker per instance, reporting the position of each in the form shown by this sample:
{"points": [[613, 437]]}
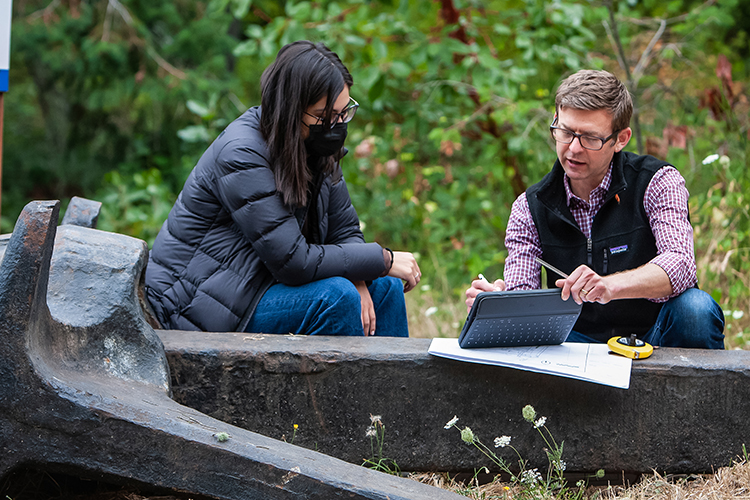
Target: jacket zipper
{"points": [[606, 258]]}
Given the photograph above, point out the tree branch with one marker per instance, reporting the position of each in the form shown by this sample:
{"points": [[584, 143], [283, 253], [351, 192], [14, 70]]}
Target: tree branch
{"points": [[613, 34]]}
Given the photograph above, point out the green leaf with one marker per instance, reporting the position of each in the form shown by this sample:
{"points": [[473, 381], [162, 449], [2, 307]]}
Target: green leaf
{"points": [[377, 88], [194, 133], [198, 108], [241, 8], [400, 69]]}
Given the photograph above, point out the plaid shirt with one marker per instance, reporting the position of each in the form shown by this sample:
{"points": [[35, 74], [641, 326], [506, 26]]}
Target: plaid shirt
{"points": [[666, 205]]}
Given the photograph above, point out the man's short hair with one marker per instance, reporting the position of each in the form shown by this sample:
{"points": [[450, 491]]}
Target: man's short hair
{"points": [[592, 90]]}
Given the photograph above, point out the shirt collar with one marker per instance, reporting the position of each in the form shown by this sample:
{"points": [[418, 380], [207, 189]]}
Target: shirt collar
{"points": [[597, 193]]}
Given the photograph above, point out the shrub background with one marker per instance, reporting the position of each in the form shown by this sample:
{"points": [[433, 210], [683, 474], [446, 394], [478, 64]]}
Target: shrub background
{"points": [[116, 99]]}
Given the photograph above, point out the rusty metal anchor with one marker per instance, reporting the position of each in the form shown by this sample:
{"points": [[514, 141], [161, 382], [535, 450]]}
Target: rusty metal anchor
{"points": [[86, 389]]}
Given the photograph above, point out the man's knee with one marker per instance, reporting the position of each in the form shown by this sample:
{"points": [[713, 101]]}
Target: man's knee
{"points": [[695, 305], [695, 320]]}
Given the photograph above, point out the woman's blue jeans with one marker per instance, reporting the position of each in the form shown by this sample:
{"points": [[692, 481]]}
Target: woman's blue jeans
{"points": [[330, 306], [692, 319]]}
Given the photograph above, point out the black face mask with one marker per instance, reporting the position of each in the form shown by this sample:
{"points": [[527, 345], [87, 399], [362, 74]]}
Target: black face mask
{"points": [[325, 141]]}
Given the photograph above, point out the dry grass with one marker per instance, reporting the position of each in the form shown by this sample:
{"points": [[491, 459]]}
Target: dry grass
{"points": [[430, 318], [727, 483]]}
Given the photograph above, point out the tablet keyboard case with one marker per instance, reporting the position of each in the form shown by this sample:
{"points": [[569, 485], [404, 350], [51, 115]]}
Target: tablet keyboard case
{"points": [[519, 318]]}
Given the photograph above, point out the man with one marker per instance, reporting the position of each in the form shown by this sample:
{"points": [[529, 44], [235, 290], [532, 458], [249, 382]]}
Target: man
{"points": [[616, 222]]}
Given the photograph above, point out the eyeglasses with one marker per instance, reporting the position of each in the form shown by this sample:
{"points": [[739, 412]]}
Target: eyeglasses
{"points": [[344, 117], [590, 142]]}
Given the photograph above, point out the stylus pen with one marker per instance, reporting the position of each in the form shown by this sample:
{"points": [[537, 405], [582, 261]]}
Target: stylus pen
{"points": [[551, 267]]}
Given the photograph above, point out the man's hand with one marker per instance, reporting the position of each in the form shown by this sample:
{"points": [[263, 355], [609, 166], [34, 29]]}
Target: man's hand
{"points": [[584, 285], [481, 285], [646, 282], [368, 308]]}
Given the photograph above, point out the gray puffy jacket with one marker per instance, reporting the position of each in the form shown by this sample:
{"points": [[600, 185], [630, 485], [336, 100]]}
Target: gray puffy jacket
{"points": [[229, 237]]}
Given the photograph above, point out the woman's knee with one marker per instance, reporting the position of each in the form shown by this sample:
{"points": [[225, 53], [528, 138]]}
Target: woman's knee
{"points": [[339, 293]]}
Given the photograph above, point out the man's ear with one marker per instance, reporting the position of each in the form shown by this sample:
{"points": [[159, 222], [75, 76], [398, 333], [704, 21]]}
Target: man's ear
{"points": [[623, 138]]}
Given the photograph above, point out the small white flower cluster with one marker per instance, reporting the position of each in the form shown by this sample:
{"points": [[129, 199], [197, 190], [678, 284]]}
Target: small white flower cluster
{"points": [[502, 442], [724, 160], [560, 465], [531, 477], [736, 314], [372, 430], [451, 422], [540, 423]]}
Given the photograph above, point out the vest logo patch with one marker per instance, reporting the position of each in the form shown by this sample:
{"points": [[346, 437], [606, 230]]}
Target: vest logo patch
{"points": [[620, 249]]}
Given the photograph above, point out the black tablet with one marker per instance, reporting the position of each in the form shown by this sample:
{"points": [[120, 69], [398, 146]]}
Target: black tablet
{"points": [[519, 318]]}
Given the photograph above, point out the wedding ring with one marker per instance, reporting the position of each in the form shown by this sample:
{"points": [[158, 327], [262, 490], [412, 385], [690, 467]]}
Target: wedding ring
{"points": [[585, 292]]}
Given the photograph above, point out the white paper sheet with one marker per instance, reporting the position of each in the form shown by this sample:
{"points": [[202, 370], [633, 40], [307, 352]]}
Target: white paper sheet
{"points": [[589, 362]]}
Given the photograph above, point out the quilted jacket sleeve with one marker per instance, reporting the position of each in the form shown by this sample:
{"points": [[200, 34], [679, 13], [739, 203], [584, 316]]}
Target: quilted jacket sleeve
{"points": [[247, 189], [343, 222]]}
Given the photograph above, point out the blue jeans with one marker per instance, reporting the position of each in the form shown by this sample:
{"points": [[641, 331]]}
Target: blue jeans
{"points": [[330, 306], [692, 319]]}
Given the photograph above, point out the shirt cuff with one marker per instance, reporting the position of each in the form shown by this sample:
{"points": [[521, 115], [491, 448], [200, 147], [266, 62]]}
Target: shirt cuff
{"points": [[680, 271]]}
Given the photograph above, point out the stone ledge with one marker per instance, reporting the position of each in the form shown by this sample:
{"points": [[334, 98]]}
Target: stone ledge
{"points": [[685, 412]]}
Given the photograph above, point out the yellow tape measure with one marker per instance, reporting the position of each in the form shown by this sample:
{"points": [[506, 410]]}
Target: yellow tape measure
{"points": [[630, 347]]}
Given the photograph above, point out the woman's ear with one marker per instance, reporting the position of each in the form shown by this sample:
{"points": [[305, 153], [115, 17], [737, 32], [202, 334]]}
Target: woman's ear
{"points": [[623, 137]]}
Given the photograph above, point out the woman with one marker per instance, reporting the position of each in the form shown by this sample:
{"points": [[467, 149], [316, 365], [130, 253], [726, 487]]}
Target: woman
{"points": [[263, 236]]}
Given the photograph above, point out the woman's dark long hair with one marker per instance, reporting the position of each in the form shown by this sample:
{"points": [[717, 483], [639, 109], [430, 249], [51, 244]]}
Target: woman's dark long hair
{"points": [[302, 74]]}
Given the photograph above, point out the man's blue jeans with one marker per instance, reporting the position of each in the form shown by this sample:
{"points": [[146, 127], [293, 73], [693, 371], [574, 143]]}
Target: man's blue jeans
{"points": [[330, 306], [692, 319]]}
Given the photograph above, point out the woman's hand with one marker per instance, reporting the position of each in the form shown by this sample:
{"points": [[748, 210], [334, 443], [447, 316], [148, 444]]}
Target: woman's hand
{"points": [[406, 268], [368, 308]]}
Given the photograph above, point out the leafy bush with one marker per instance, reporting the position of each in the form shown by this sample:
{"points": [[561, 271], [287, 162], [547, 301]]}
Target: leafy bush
{"points": [[456, 98]]}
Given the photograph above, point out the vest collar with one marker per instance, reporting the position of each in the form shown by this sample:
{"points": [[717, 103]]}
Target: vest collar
{"points": [[552, 187]]}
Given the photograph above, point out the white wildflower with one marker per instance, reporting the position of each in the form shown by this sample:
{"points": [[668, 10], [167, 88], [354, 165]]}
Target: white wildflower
{"points": [[710, 159], [502, 442], [375, 419], [738, 314], [531, 477], [371, 432], [540, 423], [451, 422], [724, 160], [559, 465]]}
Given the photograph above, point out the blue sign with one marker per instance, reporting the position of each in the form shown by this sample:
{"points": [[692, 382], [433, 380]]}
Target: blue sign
{"points": [[5, 13]]}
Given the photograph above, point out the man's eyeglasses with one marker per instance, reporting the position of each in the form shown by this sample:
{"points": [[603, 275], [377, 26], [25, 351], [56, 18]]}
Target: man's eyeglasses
{"points": [[344, 117], [590, 142]]}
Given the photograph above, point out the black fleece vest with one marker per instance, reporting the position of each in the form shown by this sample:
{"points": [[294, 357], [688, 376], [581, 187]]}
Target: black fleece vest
{"points": [[621, 239]]}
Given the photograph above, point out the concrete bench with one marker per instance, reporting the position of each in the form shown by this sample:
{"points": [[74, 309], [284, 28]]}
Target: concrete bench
{"points": [[686, 410]]}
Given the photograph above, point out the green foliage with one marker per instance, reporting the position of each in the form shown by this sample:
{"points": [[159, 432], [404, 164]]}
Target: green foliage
{"points": [[135, 205], [117, 101], [91, 91]]}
